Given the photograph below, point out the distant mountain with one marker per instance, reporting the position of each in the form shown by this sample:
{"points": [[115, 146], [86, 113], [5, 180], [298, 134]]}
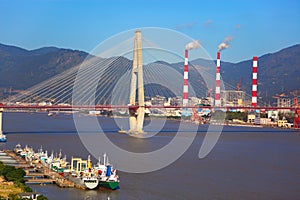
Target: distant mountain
{"points": [[280, 71], [277, 72], [21, 69]]}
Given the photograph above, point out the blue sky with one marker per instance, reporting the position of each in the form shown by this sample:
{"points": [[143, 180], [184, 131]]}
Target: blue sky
{"points": [[258, 27]]}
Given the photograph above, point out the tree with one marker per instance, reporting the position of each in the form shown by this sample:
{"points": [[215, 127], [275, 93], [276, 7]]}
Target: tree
{"points": [[16, 175], [13, 197], [41, 197]]}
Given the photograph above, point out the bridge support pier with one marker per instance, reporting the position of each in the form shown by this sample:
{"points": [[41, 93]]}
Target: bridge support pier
{"points": [[297, 118], [1, 112], [136, 118]]}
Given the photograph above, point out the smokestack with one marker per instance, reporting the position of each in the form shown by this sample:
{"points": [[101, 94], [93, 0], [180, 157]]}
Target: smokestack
{"points": [[185, 79], [254, 82], [218, 78], [192, 45]]}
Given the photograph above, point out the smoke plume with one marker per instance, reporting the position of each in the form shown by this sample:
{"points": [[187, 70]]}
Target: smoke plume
{"points": [[192, 45], [225, 43]]}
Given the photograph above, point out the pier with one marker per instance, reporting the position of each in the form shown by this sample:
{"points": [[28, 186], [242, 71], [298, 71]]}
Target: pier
{"points": [[38, 173]]}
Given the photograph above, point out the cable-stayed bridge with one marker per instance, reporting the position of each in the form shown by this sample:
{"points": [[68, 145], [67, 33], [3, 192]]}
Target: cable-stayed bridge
{"points": [[104, 80], [110, 73]]}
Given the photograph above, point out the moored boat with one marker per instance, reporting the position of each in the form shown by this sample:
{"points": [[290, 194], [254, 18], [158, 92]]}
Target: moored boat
{"points": [[90, 182], [80, 171], [2, 138], [110, 184], [107, 175], [121, 131]]}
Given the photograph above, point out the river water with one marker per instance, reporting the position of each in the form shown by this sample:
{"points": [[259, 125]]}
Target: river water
{"points": [[246, 163]]}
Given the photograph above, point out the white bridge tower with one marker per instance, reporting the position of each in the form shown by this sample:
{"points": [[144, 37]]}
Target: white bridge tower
{"points": [[137, 111]]}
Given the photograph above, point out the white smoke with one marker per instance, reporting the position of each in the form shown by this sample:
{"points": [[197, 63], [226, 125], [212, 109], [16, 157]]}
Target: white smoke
{"points": [[192, 45], [225, 43]]}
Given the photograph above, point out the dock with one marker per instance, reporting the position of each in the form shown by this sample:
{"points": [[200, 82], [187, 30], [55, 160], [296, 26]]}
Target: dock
{"points": [[6, 159], [38, 173], [12, 156]]}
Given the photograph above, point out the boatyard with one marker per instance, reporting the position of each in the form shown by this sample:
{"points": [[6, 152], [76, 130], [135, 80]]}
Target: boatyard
{"points": [[37, 173], [43, 169]]}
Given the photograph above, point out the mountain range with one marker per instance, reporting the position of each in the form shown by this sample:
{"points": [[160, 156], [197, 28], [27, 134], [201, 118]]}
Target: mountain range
{"points": [[278, 72], [21, 68]]}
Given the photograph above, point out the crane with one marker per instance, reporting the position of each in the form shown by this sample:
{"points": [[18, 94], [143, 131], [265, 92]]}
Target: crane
{"points": [[239, 85]]}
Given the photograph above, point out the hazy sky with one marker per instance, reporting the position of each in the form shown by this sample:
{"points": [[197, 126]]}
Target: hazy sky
{"points": [[257, 27]]}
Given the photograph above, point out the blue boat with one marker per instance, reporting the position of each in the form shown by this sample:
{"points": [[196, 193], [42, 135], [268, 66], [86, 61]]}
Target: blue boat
{"points": [[2, 138]]}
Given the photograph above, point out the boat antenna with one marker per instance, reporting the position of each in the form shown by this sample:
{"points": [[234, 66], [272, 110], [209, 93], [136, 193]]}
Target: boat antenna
{"points": [[59, 155], [104, 158]]}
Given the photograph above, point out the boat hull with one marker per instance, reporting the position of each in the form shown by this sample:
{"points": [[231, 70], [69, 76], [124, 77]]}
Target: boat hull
{"points": [[110, 184], [91, 183]]}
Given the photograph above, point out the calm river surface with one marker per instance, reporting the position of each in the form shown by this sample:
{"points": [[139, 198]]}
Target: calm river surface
{"points": [[246, 163]]}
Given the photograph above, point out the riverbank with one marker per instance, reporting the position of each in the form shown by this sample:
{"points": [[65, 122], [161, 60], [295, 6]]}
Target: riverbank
{"points": [[12, 182], [8, 188]]}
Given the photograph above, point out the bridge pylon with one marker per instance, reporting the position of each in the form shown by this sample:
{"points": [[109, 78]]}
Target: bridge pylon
{"points": [[136, 118]]}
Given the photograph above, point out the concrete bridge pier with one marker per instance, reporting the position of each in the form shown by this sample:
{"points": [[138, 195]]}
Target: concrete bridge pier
{"points": [[1, 112]]}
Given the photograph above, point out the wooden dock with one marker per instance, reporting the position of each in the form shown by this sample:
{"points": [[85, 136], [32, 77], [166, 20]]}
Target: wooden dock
{"points": [[18, 159], [40, 181]]}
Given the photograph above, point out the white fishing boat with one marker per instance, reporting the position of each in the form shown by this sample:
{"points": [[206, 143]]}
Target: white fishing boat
{"points": [[101, 174], [18, 149], [90, 182]]}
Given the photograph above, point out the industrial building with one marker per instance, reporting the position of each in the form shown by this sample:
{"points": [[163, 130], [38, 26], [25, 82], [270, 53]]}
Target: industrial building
{"points": [[233, 98]]}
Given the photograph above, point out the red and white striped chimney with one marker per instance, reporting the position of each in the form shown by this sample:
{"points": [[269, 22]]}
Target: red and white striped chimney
{"points": [[218, 78], [254, 82], [185, 80]]}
